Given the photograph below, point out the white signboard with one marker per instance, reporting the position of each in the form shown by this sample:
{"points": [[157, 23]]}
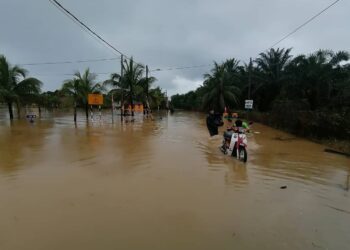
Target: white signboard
{"points": [[249, 104]]}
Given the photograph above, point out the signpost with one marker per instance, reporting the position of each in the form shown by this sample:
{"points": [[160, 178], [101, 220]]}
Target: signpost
{"points": [[97, 100], [249, 104], [31, 117]]}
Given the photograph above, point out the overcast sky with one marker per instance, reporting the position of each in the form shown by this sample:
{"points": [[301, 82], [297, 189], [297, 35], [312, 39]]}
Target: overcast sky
{"points": [[163, 34]]}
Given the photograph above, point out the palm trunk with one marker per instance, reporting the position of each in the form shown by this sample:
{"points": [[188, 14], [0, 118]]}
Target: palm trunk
{"points": [[18, 110], [132, 107], [132, 104], [147, 102], [87, 111], [122, 107], [75, 113], [148, 107], [10, 110], [39, 107], [131, 100]]}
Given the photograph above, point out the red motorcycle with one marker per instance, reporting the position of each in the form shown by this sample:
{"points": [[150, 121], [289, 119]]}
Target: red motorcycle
{"points": [[235, 143]]}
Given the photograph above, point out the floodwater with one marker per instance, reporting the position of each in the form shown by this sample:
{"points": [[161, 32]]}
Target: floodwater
{"points": [[164, 184]]}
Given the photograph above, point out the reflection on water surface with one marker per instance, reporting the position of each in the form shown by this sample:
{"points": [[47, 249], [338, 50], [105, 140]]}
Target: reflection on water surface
{"points": [[164, 184]]}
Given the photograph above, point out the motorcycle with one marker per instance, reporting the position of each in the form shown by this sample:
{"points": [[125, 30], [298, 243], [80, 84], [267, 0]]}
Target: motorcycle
{"points": [[237, 141]]}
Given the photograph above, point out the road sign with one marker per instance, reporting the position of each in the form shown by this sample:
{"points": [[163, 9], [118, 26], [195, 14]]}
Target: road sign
{"points": [[249, 104], [95, 99]]}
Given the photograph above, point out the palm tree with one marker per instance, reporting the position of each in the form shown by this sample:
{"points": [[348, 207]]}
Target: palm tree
{"points": [[51, 99], [116, 88], [14, 84], [132, 75], [72, 88], [220, 86], [146, 83], [314, 77], [156, 97], [271, 65], [80, 87]]}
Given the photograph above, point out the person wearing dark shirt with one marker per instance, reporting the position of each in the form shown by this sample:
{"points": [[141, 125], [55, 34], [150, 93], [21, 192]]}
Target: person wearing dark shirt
{"points": [[212, 124]]}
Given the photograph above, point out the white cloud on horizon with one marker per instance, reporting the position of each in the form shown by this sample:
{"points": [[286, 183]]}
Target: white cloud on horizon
{"points": [[183, 85]]}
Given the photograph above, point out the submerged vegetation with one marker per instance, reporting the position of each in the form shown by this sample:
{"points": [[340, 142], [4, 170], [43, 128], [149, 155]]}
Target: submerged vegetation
{"points": [[15, 87], [307, 94], [19, 90]]}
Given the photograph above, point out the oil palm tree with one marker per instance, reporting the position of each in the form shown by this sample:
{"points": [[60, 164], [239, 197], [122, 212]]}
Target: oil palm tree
{"points": [[80, 87], [271, 72], [315, 77], [272, 64], [14, 84], [220, 86]]}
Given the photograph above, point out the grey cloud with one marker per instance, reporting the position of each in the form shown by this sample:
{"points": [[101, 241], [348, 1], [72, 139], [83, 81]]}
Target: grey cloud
{"points": [[163, 33]]}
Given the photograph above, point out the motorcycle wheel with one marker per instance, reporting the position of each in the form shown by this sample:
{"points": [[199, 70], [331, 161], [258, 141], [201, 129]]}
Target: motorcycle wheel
{"points": [[243, 156]]}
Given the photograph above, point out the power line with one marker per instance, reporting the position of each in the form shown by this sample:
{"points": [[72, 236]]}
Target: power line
{"points": [[305, 23], [87, 28], [80, 26], [69, 62], [56, 3], [70, 74], [90, 31], [102, 40], [105, 73], [182, 67], [154, 70]]}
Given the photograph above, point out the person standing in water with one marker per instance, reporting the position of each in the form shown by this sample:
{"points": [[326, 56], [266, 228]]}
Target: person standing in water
{"points": [[211, 124]]}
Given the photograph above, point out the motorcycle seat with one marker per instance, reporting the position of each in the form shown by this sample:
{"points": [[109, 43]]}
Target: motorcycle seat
{"points": [[228, 134]]}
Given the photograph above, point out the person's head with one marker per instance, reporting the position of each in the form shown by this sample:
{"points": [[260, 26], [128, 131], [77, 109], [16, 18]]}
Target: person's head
{"points": [[238, 123], [211, 112]]}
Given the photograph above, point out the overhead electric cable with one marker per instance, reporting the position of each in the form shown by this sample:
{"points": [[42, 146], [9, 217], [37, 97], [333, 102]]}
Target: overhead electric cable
{"points": [[182, 67], [87, 28], [69, 62], [305, 23], [69, 74], [81, 26]]}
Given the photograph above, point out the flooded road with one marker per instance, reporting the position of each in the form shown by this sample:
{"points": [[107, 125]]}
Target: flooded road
{"points": [[164, 184]]}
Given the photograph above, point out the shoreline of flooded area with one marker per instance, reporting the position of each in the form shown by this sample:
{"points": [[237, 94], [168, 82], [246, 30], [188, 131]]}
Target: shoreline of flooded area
{"points": [[164, 184]]}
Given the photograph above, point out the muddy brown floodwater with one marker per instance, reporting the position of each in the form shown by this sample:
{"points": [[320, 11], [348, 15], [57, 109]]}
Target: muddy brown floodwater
{"points": [[164, 184]]}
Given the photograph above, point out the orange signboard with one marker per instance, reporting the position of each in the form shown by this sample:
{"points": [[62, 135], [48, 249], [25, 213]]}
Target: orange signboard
{"points": [[137, 108], [95, 99]]}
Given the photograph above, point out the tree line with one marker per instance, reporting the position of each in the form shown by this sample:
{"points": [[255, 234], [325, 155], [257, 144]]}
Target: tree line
{"points": [[18, 90], [306, 94]]}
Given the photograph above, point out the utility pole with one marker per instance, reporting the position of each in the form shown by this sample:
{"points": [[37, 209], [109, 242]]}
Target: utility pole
{"points": [[250, 84], [121, 86], [112, 99], [250, 77], [147, 101], [166, 100]]}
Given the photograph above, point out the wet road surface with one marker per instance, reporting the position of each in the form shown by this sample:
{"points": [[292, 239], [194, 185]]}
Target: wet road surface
{"points": [[164, 184]]}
